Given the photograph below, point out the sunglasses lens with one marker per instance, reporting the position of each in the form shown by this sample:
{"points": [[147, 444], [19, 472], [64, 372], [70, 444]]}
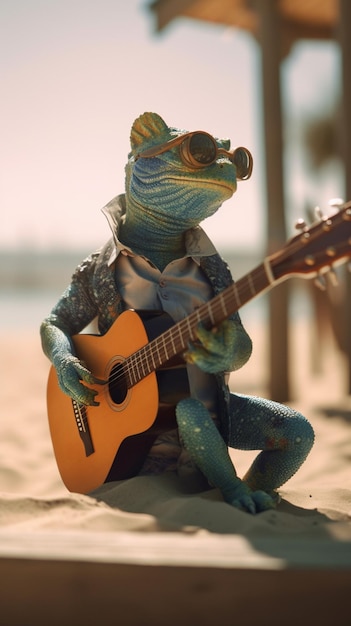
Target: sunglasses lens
{"points": [[202, 149], [242, 160]]}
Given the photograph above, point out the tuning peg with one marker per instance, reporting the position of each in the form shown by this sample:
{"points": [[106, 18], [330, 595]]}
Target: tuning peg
{"points": [[336, 203], [320, 282], [301, 224], [318, 213], [333, 277]]}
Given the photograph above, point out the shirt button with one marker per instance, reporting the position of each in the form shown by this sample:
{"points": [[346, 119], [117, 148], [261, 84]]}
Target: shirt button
{"points": [[162, 283], [165, 296]]}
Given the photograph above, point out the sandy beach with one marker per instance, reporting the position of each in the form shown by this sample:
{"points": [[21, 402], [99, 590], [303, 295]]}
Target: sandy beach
{"points": [[149, 550]]}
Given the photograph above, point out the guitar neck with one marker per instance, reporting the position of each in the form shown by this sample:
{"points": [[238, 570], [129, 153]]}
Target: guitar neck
{"points": [[175, 340]]}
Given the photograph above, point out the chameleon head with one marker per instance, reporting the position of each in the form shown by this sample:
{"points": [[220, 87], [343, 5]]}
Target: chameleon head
{"points": [[182, 175]]}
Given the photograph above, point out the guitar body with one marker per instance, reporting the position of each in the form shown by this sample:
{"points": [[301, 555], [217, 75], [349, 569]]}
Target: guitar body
{"points": [[87, 440]]}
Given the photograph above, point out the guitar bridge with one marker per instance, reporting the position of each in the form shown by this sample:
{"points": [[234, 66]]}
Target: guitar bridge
{"points": [[81, 417]]}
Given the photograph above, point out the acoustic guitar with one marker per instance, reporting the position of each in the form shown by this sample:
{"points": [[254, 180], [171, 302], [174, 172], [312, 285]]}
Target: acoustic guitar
{"points": [[96, 444]]}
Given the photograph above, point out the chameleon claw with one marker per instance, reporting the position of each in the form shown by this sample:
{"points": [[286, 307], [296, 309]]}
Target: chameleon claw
{"points": [[245, 504]]}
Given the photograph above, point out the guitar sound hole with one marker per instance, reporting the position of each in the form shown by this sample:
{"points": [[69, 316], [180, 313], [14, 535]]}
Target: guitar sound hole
{"points": [[117, 384]]}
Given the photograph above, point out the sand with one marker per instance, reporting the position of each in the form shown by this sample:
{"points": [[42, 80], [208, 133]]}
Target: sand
{"points": [[149, 550]]}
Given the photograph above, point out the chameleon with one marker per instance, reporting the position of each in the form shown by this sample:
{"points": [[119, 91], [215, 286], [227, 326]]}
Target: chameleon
{"points": [[160, 257]]}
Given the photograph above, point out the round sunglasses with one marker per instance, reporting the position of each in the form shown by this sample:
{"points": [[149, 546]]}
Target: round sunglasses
{"points": [[199, 149]]}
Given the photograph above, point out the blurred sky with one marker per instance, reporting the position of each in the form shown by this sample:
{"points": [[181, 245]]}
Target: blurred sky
{"points": [[74, 76]]}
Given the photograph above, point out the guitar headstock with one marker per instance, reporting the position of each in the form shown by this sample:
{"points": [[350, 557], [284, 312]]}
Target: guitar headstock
{"points": [[317, 248]]}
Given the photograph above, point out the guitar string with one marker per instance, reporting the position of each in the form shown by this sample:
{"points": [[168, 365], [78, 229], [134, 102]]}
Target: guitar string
{"points": [[172, 344], [141, 359], [142, 356], [136, 361]]}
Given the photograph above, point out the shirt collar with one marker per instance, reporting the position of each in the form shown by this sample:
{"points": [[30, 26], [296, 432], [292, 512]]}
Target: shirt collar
{"points": [[197, 243]]}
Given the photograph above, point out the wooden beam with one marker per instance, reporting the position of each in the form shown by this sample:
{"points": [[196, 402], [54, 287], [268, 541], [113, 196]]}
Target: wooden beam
{"points": [[301, 19], [271, 52], [168, 10], [344, 35]]}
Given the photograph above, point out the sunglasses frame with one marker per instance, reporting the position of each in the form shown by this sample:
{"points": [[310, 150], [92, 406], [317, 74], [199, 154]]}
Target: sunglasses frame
{"points": [[184, 141]]}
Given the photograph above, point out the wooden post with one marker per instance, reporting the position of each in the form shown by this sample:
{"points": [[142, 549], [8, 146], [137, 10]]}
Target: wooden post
{"points": [[345, 137], [270, 32]]}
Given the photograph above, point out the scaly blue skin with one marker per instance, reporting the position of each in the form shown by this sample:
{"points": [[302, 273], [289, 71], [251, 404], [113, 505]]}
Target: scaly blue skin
{"points": [[164, 198]]}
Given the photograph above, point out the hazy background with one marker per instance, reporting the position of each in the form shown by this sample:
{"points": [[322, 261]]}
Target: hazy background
{"points": [[76, 73], [74, 76]]}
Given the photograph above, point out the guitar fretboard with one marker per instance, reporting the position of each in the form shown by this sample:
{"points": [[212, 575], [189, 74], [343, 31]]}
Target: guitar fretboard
{"points": [[174, 341]]}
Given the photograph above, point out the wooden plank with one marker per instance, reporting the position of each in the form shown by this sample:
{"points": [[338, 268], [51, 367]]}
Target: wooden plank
{"points": [[42, 593]]}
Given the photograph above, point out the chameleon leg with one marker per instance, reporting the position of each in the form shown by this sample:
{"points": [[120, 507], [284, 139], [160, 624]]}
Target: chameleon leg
{"points": [[209, 452], [284, 436]]}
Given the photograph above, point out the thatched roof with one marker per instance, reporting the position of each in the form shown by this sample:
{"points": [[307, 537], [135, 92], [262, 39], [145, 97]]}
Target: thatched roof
{"points": [[311, 19]]}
